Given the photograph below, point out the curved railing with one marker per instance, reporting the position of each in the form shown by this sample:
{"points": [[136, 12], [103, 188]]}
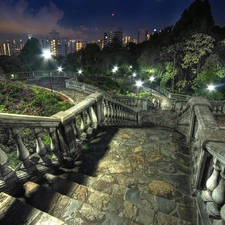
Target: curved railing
{"points": [[207, 145], [66, 130], [138, 103], [32, 74]]}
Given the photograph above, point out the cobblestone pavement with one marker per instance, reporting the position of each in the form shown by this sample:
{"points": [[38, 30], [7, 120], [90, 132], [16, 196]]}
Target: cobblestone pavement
{"points": [[148, 168]]}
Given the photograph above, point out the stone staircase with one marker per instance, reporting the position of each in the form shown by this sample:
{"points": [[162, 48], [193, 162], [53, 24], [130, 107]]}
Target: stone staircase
{"points": [[126, 176]]}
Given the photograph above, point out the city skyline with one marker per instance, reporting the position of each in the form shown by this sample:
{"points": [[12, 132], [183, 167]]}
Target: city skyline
{"points": [[89, 19]]}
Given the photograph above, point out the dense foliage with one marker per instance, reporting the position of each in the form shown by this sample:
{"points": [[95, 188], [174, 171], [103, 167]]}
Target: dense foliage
{"points": [[15, 97]]}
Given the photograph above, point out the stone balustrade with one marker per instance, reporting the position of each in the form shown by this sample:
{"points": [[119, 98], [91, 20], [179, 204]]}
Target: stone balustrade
{"points": [[66, 130], [138, 103], [32, 74], [207, 146]]}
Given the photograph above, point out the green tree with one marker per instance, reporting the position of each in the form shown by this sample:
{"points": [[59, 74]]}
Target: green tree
{"points": [[115, 53], [196, 19], [195, 48], [31, 54], [11, 64]]}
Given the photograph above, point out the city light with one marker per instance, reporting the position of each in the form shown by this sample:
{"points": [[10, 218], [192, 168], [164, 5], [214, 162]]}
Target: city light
{"points": [[80, 72], [134, 74]]}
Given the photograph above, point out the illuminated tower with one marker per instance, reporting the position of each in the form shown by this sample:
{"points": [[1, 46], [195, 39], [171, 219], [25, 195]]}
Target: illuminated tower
{"points": [[143, 35]]}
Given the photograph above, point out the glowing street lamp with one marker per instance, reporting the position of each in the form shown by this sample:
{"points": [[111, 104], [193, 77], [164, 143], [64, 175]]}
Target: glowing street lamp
{"points": [[80, 72], [47, 55], [211, 87], [134, 75], [139, 83], [60, 69], [115, 68], [151, 78]]}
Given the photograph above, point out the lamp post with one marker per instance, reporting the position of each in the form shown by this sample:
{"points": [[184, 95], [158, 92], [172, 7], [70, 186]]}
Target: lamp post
{"points": [[115, 68], [151, 79], [60, 69], [211, 87], [139, 83], [47, 55]]}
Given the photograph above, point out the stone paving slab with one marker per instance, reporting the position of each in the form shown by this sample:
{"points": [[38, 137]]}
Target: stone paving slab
{"points": [[155, 161]]}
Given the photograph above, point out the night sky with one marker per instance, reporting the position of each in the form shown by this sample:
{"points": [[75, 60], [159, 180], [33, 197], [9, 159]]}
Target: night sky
{"points": [[88, 19]]}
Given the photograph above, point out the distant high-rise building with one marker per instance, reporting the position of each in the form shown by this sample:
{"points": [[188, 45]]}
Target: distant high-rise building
{"points": [[57, 46], [11, 47], [143, 35], [113, 32], [71, 45], [79, 44], [62, 48]]}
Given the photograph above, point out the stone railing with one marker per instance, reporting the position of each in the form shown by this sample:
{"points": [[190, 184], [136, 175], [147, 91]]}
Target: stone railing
{"points": [[138, 103], [32, 74], [66, 130], [207, 146]]}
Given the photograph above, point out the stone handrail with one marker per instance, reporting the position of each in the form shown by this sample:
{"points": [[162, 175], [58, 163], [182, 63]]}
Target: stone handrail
{"points": [[66, 130], [32, 74], [218, 107], [207, 146], [139, 103]]}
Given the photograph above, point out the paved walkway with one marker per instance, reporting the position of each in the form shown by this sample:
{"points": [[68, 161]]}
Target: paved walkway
{"points": [[151, 171]]}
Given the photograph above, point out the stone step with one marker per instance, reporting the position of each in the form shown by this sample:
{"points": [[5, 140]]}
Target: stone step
{"points": [[71, 211], [92, 190], [14, 211], [119, 201], [104, 183]]}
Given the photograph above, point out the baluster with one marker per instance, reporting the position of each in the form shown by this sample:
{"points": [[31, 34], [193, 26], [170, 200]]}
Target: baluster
{"points": [[82, 124], [93, 117], [77, 129], [110, 111], [8, 174], [88, 122], [218, 196], [116, 114], [40, 148], [222, 214], [85, 122], [218, 222], [23, 153], [212, 182], [55, 147], [113, 112], [70, 137]]}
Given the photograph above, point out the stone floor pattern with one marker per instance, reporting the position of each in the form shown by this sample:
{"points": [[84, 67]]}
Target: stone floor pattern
{"points": [[147, 169], [126, 176]]}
